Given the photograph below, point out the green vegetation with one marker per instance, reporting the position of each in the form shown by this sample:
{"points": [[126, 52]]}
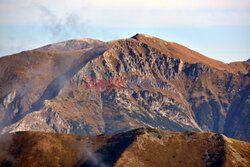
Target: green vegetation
{"points": [[71, 94], [190, 134], [145, 106], [78, 137], [159, 137], [219, 119], [208, 113], [211, 156], [140, 132], [78, 129], [203, 114], [171, 107], [88, 129], [152, 130]]}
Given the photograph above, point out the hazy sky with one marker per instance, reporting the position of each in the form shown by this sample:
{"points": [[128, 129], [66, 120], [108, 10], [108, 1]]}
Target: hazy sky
{"points": [[216, 28]]}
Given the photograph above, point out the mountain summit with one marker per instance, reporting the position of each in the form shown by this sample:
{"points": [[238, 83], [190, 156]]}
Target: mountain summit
{"points": [[93, 87]]}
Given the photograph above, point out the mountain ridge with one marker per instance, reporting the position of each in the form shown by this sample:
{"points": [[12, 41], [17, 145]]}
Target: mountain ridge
{"points": [[143, 147], [185, 95]]}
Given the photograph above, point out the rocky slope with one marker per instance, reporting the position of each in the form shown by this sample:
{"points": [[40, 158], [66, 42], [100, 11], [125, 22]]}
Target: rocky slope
{"points": [[123, 84], [139, 147]]}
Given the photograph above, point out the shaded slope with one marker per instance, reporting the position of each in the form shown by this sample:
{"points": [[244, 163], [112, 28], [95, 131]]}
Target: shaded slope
{"points": [[25, 76]]}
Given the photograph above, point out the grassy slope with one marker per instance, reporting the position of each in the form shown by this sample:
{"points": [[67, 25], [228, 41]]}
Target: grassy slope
{"points": [[140, 147]]}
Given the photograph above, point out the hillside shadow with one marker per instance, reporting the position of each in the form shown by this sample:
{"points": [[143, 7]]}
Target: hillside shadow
{"points": [[107, 155], [58, 83]]}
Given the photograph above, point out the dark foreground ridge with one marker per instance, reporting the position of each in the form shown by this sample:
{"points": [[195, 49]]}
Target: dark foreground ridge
{"points": [[139, 147]]}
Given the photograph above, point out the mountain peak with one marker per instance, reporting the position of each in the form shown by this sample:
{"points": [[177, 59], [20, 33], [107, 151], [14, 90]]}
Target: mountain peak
{"points": [[139, 36], [178, 51]]}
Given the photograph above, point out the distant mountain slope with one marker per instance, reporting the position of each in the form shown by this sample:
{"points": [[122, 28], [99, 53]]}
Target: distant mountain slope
{"points": [[75, 44], [24, 77], [154, 83], [140, 147]]}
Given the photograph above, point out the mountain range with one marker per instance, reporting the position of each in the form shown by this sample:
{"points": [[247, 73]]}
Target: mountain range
{"points": [[91, 87]]}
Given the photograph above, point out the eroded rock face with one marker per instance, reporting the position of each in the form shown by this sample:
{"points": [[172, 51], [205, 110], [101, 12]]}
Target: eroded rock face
{"points": [[130, 83]]}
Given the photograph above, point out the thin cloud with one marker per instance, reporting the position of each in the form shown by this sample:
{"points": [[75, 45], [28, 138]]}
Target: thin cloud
{"points": [[8, 48], [59, 27], [155, 18], [129, 13], [175, 4]]}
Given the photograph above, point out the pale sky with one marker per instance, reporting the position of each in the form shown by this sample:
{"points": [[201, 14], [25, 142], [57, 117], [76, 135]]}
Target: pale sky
{"points": [[217, 28]]}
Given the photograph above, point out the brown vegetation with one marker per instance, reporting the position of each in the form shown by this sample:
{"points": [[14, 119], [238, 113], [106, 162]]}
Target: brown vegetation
{"points": [[140, 147]]}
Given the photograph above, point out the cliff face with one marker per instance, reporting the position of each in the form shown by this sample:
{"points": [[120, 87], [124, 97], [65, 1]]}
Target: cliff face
{"points": [[139, 147], [119, 85]]}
